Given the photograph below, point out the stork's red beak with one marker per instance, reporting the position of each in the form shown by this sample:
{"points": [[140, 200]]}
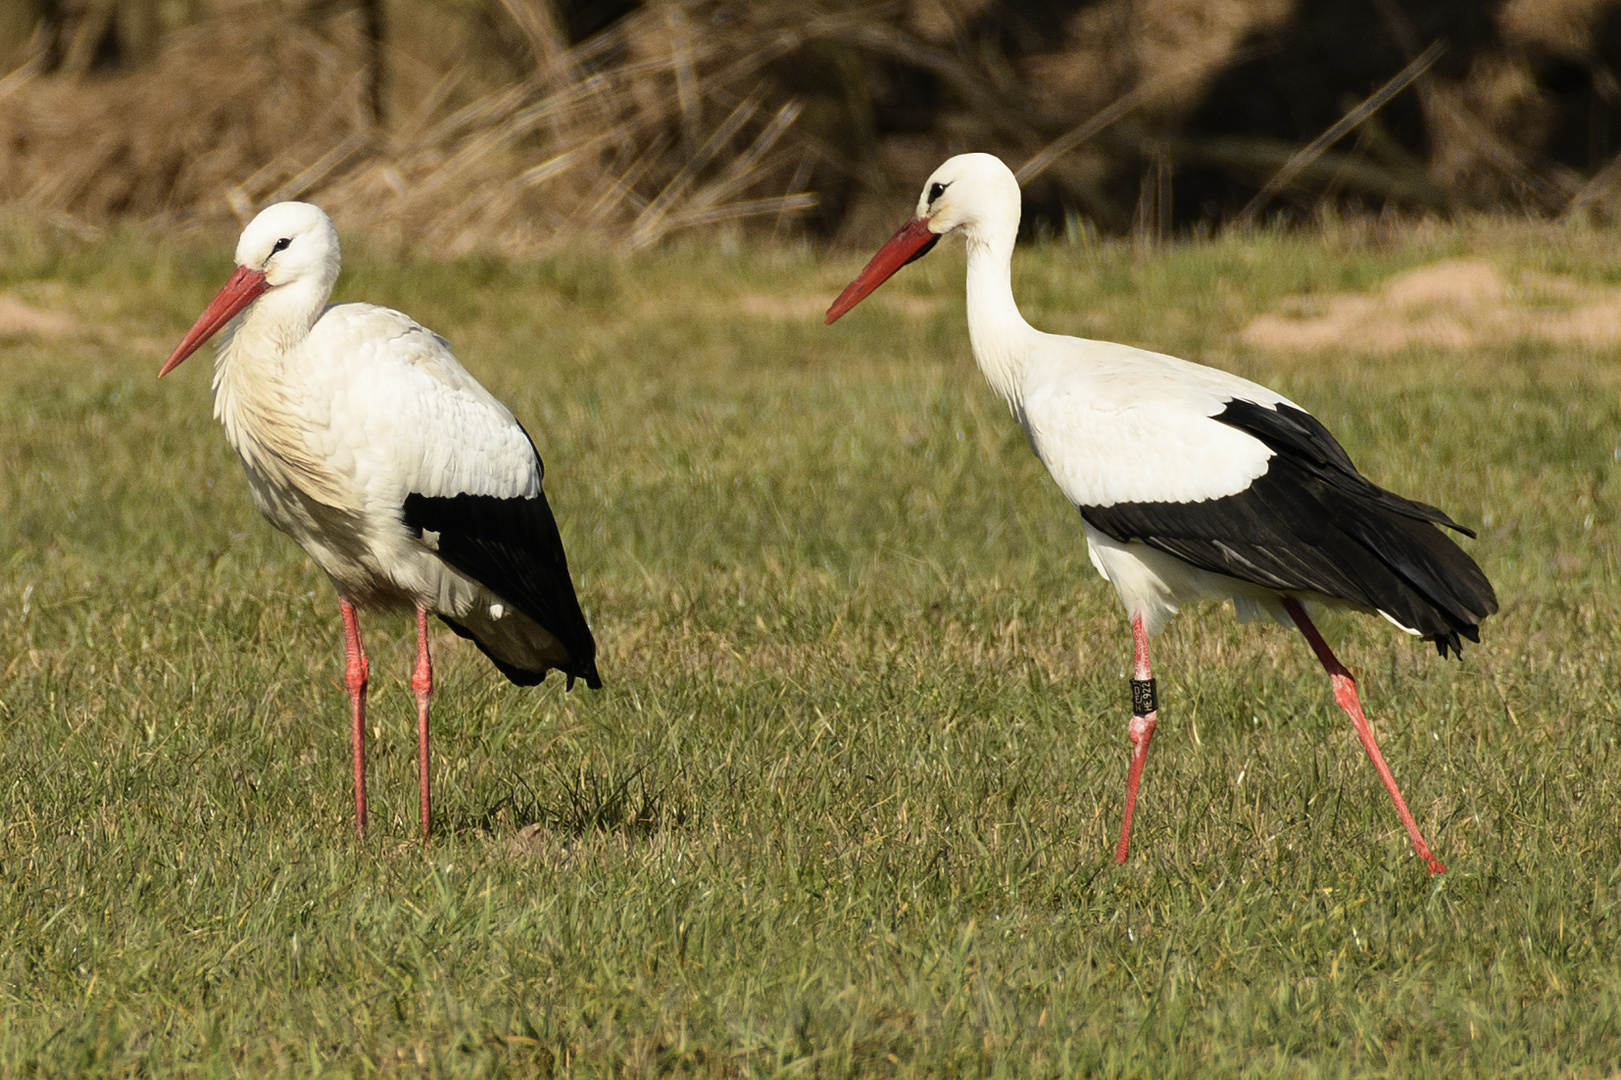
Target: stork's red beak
{"points": [[244, 288], [913, 241]]}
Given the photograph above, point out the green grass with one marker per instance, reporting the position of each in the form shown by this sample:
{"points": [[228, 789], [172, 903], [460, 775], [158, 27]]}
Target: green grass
{"points": [[846, 807]]}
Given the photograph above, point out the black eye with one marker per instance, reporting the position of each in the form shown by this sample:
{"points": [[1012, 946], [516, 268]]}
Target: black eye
{"points": [[286, 242], [935, 191]]}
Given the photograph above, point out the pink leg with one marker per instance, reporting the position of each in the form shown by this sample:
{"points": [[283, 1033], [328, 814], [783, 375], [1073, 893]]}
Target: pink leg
{"points": [[1345, 694], [357, 672], [422, 684], [1144, 714]]}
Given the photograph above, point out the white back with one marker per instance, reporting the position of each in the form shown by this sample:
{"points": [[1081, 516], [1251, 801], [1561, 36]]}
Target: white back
{"points": [[1112, 423]]}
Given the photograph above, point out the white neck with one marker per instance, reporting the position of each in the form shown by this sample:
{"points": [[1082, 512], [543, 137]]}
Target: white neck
{"points": [[282, 317], [999, 334], [248, 364]]}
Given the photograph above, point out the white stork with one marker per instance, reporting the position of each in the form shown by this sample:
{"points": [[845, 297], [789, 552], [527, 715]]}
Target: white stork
{"points": [[405, 480], [1192, 482]]}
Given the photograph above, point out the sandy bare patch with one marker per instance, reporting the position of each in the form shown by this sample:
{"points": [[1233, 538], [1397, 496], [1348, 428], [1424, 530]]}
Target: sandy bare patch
{"points": [[20, 320], [1452, 305]]}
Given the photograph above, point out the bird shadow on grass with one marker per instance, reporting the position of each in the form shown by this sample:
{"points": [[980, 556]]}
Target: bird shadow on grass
{"points": [[585, 801]]}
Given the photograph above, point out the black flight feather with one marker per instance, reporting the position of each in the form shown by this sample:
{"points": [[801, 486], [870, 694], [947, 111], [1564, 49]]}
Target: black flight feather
{"points": [[511, 546], [1311, 522]]}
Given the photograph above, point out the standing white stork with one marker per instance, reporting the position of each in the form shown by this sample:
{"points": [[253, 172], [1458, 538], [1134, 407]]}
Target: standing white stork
{"points": [[1192, 482], [406, 481]]}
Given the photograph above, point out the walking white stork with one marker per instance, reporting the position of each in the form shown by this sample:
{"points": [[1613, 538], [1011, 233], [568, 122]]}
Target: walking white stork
{"points": [[406, 481], [1192, 482]]}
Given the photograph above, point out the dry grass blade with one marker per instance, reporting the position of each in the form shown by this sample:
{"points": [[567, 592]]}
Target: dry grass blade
{"points": [[540, 30], [646, 228], [1263, 157], [557, 166], [745, 163], [1080, 133], [1309, 153], [781, 204], [321, 168], [701, 207], [1547, 190], [621, 187], [1116, 110], [1595, 189], [686, 73], [20, 76]]}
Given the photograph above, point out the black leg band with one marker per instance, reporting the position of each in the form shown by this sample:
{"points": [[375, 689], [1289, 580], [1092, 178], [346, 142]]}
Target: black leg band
{"points": [[1143, 698]]}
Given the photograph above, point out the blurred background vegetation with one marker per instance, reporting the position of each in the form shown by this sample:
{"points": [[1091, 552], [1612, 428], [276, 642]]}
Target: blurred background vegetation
{"points": [[524, 125]]}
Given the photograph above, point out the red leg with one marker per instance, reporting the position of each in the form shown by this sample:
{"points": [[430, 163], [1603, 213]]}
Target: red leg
{"points": [[1141, 730], [1345, 694], [357, 672], [422, 684]]}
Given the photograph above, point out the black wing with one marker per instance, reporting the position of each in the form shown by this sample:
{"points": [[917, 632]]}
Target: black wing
{"points": [[511, 546], [1313, 523]]}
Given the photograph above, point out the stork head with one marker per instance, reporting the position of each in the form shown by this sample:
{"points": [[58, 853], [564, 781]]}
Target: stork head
{"points": [[974, 193], [290, 241], [289, 248]]}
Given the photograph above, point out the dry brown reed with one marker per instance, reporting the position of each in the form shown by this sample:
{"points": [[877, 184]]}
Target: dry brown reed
{"points": [[492, 130], [644, 130]]}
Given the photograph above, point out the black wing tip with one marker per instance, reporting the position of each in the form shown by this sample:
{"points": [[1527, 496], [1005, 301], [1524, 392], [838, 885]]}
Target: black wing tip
{"points": [[590, 678], [1442, 518], [1452, 640], [586, 673], [524, 677], [578, 669]]}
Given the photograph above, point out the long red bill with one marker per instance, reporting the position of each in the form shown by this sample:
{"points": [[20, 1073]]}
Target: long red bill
{"points": [[912, 241], [244, 288]]}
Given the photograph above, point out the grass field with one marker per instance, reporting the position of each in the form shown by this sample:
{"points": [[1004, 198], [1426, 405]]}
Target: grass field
{"points": [[847, 804]]}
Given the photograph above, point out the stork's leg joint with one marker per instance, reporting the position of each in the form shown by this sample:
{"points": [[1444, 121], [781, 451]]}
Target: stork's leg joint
{"points": [[357, 674], [1345, 695]]}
